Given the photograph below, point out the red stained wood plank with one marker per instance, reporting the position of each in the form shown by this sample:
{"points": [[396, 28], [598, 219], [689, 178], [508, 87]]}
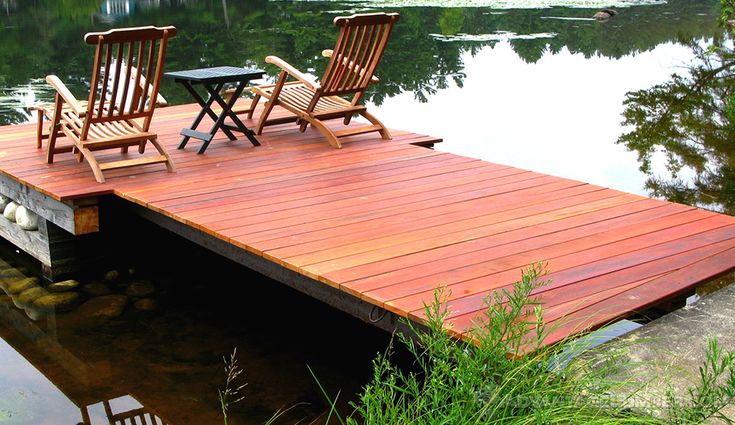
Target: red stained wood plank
{"points": [[467, 230], [583, 240]]}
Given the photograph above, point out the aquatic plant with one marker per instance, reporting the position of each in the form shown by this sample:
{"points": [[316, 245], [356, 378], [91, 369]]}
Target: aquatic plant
{"points": [[230, 395]]}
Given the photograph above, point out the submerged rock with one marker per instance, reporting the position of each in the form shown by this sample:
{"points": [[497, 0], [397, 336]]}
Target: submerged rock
{"points": [[96, 289], [105, 307], [146, 304], [111, 275], [9, 211], [26, 219], [11, 272], [140, 288], [60, 302], [27, 297], [63, 286], [8, 276], [21, 285]]}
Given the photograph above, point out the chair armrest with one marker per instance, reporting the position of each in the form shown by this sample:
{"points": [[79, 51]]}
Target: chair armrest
{"points": [[327, 53], [65, 94], [275, 60]]}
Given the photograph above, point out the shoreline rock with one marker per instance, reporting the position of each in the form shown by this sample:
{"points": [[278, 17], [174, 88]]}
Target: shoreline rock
{"points": [[9, 211], [26, 219]]}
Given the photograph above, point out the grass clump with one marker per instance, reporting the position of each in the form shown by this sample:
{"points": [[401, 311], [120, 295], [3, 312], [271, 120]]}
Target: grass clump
{"points": [[508, 377]]}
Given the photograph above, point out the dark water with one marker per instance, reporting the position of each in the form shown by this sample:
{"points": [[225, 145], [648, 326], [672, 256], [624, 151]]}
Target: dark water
{"points": [[170, 360], [535, 88]]}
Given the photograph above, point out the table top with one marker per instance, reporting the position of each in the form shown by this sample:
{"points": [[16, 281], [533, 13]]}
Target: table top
{"points": [[219, 74]]}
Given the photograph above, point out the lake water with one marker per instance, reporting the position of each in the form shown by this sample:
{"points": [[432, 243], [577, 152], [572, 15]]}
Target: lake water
{"points": [[533, 84]]}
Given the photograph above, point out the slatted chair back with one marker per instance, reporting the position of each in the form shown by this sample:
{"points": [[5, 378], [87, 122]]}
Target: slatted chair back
{"points": [[140, 416], [357, 53], [126, 74]]}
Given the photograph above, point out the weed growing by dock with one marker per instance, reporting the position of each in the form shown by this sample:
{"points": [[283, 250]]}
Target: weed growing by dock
{"points": [[508, 377]]}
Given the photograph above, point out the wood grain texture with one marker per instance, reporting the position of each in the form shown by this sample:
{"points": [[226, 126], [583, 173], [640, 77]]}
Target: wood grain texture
{"points": [[385, 223]]}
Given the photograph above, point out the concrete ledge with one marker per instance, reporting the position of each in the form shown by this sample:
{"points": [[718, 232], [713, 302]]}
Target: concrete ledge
{"points": [[667, 352]]}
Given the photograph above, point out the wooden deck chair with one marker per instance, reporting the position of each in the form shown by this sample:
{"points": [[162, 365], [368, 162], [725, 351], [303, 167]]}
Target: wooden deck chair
{"points": [[360, 45], [119, 110], [45, 112]]}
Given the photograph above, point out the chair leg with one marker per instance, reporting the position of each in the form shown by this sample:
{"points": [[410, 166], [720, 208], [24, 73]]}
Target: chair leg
{"points": [[86, 153], [264, 117], [253, 104], [384, 133], [331, 138], [51, 144], [39, 129], [53, 129], [169, 164]]}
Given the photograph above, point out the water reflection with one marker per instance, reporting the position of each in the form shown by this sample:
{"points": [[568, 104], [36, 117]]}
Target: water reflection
{"points": [[420, 59], [169, 361], [684, 130]]}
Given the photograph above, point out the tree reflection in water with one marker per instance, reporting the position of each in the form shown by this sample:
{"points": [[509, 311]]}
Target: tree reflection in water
{"points": [[688, 123]]}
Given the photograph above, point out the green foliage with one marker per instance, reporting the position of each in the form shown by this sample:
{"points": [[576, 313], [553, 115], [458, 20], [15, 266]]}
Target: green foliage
{"points": [[715, 390], [728, 11], [507, 377]]}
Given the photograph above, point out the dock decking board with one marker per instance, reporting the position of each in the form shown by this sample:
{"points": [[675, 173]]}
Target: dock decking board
{"points": [[387, 222]]}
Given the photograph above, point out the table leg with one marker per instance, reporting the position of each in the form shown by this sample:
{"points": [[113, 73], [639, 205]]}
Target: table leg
{"points": [[206, 109], [220, 119], [227, 109]]}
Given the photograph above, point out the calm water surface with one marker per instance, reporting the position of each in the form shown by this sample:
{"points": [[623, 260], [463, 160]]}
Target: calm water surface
{"points": [[538, 88]]}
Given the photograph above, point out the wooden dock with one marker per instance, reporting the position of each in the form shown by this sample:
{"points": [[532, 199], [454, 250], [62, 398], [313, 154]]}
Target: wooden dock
{"points": [[376, 227]]}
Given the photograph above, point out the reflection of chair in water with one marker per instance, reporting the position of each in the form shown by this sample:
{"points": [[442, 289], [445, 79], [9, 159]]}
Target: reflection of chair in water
{"points": [[359, 48], [116, 103], [138, 416]]}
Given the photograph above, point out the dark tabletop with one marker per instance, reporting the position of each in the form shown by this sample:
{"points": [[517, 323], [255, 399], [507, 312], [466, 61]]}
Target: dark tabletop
{"points": [[217, 74]]}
